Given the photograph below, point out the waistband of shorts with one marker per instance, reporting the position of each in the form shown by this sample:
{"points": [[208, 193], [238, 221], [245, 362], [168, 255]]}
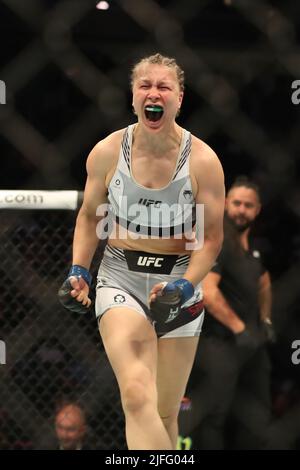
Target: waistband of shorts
{"points": [[141, 261]]}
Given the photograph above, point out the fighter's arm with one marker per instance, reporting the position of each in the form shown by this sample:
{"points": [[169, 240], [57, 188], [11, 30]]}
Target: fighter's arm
{"points": [[217, 305], [210, 192], [209, 182], [74, 292], [85, 237]]}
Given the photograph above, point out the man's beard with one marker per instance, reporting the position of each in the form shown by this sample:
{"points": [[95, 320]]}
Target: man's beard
{"points": [[240, 227]]}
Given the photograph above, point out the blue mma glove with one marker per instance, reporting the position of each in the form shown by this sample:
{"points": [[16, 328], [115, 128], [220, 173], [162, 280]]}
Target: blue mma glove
{"points": [[64, 293], [167, 305]]}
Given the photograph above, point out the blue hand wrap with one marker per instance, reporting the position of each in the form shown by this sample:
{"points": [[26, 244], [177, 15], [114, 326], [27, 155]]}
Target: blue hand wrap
{"points": [[186, 288], [80, 271]]}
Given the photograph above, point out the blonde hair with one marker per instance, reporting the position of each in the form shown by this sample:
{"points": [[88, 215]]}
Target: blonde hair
{"points": [[158, 59]]}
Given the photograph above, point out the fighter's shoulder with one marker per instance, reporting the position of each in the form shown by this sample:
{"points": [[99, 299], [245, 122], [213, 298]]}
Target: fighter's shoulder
{"points": [[203, 157], [202, 151], [109, 146], [106, 152]]}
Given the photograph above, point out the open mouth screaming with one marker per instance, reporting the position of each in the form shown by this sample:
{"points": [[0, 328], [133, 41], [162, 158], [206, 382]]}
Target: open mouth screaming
{"points": [[154, 112]]}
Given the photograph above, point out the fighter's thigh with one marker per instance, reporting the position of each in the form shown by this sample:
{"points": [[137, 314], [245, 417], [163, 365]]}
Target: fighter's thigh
{"points": [[130, 343], [174, 365]]}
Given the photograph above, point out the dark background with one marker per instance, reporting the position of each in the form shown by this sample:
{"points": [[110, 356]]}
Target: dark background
{"points": [[66, 68]]}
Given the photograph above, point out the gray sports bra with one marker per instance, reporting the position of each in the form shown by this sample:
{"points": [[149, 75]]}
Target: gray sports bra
{"points": [[159, 212]]}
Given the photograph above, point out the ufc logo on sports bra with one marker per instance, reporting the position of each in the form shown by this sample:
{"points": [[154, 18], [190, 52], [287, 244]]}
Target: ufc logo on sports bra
{"points": [[149, 202], [149, 260]]}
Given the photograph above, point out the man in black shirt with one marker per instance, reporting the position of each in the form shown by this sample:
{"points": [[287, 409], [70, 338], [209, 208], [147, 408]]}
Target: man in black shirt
{"points": [[232, 369]]}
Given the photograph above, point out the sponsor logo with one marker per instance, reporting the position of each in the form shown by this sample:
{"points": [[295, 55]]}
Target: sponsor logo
{"points": [[149, 202], [119, 299], [195, 309], [173, 314], [149, 261], [187, 194], [22, 199]]}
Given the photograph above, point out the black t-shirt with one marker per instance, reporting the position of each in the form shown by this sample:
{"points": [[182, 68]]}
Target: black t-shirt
{"points": [[240, 271]]}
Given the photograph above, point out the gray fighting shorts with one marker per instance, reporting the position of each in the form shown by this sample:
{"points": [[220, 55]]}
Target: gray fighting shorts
{"points": [[125, 279]]}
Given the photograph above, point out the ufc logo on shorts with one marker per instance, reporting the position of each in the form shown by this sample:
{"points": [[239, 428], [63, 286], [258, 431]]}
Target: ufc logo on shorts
{"points": [[149, 260], [173, 314]]}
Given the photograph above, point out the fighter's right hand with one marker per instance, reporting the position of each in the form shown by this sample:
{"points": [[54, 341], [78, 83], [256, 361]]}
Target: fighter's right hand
{"points": [[73, 294]]}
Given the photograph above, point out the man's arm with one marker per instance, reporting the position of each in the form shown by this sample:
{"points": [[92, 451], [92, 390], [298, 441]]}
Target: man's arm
{"points": [[217, 305], [265, 296], [265, 306], [209, 179]]}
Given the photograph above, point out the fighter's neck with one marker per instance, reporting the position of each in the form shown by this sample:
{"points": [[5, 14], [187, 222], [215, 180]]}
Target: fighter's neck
{"points": [[159, 142]]}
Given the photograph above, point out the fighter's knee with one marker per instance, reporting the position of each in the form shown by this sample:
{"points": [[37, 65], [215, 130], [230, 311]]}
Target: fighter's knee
{"points": [[135, 395]]}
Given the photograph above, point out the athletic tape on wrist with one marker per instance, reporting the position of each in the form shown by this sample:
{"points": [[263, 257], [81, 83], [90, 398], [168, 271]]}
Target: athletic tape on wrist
{"points": [[80, 271]]}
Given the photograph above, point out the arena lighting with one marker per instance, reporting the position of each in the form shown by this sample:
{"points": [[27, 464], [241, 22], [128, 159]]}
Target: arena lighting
{"points": [[102, 5]]}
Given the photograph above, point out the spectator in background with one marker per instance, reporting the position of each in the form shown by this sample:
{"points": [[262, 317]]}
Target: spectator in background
{"points": [[232, 368], [70, 426], [70, 430]]}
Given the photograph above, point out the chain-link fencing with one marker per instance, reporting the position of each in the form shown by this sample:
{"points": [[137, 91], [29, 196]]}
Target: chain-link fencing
{"points": [[64, 71], [50, 353]]}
